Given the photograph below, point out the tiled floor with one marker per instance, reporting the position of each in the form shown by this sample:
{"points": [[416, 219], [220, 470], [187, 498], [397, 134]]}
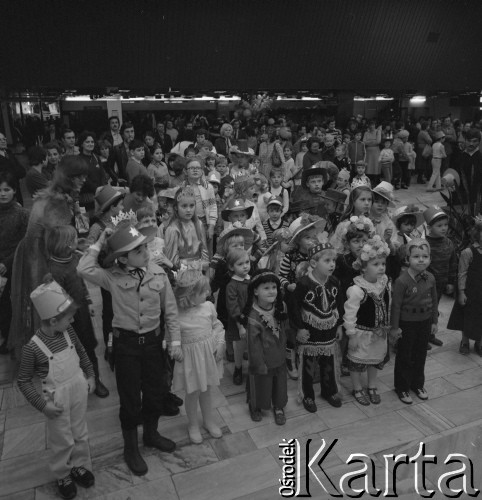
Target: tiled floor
{"points": [[244, 463]]}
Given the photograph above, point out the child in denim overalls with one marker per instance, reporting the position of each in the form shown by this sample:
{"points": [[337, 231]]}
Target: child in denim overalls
{"points": [[57, 357]]}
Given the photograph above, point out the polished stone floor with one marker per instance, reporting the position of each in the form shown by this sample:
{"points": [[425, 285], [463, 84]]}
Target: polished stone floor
{"points": [[244, 463]]}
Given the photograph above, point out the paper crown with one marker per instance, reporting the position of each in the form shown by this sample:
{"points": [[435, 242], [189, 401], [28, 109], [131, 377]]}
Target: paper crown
{"points": [[319, 248], [187, 278], [129, 216], [50, 300], [185, 192]]}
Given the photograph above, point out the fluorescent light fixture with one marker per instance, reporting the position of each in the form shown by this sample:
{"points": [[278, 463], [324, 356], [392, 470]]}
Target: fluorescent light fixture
{"points": [[382, 98], [232, 98], [373, 98], [311, 99], [204, 98], [78, 98], [480, 99], [418, 99]]}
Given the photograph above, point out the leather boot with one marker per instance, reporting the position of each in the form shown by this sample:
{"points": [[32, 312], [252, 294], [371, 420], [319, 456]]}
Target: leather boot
{"points": [[101, 390], [132, 457], [152, 438]]}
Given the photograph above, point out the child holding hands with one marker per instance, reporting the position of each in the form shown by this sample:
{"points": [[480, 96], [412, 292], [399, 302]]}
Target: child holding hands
{"points": [[367, 319], [57, 357], [415, 316], [202, 337]]}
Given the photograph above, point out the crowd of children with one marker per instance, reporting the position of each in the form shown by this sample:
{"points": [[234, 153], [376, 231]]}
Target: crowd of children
{"points": [[303, 269]]}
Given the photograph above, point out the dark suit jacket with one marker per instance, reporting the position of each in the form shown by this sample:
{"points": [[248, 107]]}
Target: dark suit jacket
{"points": [[165, 142], [120, 157]]}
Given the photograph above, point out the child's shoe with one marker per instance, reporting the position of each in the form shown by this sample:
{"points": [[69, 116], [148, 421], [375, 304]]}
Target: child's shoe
{"points": [[82, 477], [435, 341], [66, 487], [465, 348], [421, 394], [213, 430], [309, 405], [238, 375], [361, 397], [334, 400], [195, 435], [255, 414], [375, 398], [405, 397], [279, 416]]}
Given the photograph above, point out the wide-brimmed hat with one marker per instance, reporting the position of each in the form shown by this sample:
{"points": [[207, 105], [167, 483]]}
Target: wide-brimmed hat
{"points": [[334, 195], [236, 205], [305, 222], [214, 177], [168, 193], [408, 210], [275, 200], [241, 148], [315, 169], [403, 134], [235, 230], [123, 240], [439, 134], [385, 190], [50, 300], [451, 178], [433, 213], [107, 196]]}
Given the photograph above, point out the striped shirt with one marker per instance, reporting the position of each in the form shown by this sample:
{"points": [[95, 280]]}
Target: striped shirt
{"points": [[35, 362]]}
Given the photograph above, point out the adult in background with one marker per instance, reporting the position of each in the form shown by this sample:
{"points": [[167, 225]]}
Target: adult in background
{"points": [[224, 142], [113, 135], [162, 138], [52, 207], [8, 163], [96, 175], [35, 178], [314, 153], [13, 224], [171, 131], [372, 139], [121, 152], [470, 170], [68, 143], [450, 141], [423, 164]]}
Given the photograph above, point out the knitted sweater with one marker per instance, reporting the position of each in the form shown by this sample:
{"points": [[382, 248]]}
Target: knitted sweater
{"points": [[290, 269], [13, 225], [443, 261]]}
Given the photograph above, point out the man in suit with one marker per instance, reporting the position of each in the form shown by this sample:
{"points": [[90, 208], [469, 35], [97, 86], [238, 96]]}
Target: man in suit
{"points": [[163, 139], [113, 135], [121, 153]]}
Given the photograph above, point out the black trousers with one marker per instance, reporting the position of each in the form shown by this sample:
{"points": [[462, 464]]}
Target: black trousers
{"points": [[272, 388], [411, 355], [141, 377], [405, 173], [327, 375], [6, 308], [107, 314]]}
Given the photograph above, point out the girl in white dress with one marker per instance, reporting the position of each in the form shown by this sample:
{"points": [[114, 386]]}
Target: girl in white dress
{"points": [[202, 341]]}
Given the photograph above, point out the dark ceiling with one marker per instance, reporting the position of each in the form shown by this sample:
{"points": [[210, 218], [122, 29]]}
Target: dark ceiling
{"points": [[149, 45]]}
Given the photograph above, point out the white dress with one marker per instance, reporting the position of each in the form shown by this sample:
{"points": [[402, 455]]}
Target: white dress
{"points": [[201, 333]]}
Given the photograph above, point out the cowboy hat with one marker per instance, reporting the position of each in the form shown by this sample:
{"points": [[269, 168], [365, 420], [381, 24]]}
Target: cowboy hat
{"points": [[107, 196], [241, 148], [236, 205], [235, 230], [122, 241], [408, 210], [304, 222]]}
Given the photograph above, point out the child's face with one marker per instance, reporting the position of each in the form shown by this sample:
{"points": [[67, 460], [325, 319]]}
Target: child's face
{"points": [[239, 216], [190, 154], [356, 244], [329, 141], [186, 208], [363, 203], [241, 267], [407, 226], [276, 180], [419, 258], [6, 193], [315, 183], [287, 152], [307, 240], [158, 155], [222, 168], [139, 197], [263, 186], [304, 147], [199, 298], [170, 208], [148, 221], [63, 323], [138, 154], [53, 156], [330, 206], [360, 170], [243, 161], [256, 163], [215, 186], [374, 269], [104, 152], [274, 213], [237, 242], [439, 228], [194, 171], [358, 136], [387, 144], [339, 152], [379, 206], [139, 257], [250, 192], [341, 182], [210, 162], [325, 265], [228, 189], [266, 293], [149, 140]]}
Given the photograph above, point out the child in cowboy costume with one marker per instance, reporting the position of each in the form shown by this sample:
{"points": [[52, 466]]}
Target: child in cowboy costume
{"points": [[141, 298]]}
